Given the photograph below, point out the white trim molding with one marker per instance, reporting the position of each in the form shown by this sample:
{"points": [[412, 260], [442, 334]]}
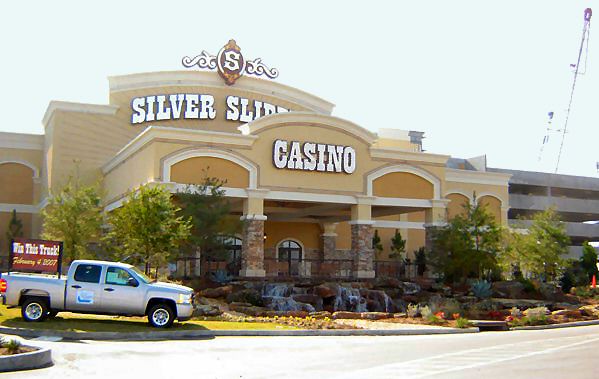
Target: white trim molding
{"points": [[314, 119], [398, 224], [153, 132], [477, 177], [483, 194], [407, 169], [396, 153], [36, 171], [459, 192], [20, 208], [21, 141], [213, 153], [67, 106]]}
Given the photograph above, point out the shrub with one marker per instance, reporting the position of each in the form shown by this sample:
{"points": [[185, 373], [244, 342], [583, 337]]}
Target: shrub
{"points": [[221, 277], [11, 346], [435, 318], [516, 312], [426, 312], [462, 323], [536, 316], [451, 307], [529, 286], [481, 289], [435, 303], [413, 310]]}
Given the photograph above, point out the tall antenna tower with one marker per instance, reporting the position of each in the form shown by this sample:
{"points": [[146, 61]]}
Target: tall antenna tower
{"points": [[584, 42]]}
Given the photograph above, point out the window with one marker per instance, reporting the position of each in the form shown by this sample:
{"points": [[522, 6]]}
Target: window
{"points": [[290, 250], [118, 276], [88, 273]]}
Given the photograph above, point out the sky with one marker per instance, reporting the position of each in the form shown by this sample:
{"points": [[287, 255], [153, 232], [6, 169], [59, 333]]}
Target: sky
{"points": [[478, 77]]}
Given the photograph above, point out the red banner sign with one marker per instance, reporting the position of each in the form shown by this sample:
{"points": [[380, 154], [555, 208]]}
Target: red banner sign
{"points": [[35, 255]]}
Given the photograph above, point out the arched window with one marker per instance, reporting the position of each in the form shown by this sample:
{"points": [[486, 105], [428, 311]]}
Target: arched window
{"points": [[233, 248], [290, 250]]}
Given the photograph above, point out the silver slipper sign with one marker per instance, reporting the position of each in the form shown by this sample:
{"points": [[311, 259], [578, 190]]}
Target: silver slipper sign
{"points": [[230, 63]]}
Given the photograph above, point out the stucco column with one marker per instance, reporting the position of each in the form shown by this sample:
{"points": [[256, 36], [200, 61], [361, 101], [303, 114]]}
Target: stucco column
{"points": [[329, 240], [504, 215], [361, 237], [434, 218], [252, 246]]}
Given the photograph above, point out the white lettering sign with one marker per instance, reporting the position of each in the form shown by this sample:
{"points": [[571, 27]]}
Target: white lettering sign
{"points": [[314, 156], [194, 106]]}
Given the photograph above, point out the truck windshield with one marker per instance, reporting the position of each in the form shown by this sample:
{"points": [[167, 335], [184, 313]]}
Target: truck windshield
{"points": [[144, 278]]}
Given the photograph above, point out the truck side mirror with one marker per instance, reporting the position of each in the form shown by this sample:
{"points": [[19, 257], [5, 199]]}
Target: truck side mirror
{"points": [[132, 282]]}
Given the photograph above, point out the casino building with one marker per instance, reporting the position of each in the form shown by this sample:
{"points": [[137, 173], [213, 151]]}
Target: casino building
{"points": [[312, 188]]}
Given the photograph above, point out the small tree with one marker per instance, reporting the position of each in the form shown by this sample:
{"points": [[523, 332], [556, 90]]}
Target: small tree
{"points": [[376, 244], [209, 210], [15, 228], [146, 228], [588, 261], [398, 246], [468, 245], [538, 251], [74, 216]]}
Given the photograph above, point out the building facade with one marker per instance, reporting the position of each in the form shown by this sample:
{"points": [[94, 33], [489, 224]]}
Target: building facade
{"points": [[575, 199], [310, 187]]}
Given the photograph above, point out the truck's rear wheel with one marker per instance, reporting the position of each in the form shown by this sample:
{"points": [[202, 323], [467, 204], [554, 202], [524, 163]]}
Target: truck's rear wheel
{"points": [[34, 309], [161, 316]]}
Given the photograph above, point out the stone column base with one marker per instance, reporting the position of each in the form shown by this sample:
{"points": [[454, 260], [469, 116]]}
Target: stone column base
{"points": [[364, 274], [249, 273]]}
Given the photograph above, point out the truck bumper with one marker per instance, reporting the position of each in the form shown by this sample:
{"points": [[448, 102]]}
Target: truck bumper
{"points": [[184, 311]]}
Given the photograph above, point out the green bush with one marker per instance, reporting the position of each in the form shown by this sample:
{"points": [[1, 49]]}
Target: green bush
{"points": [[413, 310], [426, 312], [481, 289], [451, 307], [535, 316], [11, 346], [529, 286], [462, 323]]}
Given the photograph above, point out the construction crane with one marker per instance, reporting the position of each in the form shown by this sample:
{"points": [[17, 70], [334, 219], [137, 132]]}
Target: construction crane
{"points": [[583, 43]]}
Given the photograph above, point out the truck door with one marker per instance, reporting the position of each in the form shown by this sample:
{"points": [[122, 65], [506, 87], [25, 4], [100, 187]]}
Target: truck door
{"points": [[122, 293], [84, 291]]}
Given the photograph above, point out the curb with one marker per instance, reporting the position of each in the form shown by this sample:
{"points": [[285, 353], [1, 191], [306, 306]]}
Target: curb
{"points": [[26, 361], [557, 326], [209, 334]]}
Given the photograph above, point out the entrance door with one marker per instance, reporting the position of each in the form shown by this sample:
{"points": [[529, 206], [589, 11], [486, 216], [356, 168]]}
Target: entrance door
{"points": [[291, 252]]}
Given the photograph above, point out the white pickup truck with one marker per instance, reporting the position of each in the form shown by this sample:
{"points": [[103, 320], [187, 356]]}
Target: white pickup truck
{"points": [[97, 287]]}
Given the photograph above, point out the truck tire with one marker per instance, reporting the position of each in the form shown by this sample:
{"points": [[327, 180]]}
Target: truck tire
{"points": [[161, 316], [34, 309]]}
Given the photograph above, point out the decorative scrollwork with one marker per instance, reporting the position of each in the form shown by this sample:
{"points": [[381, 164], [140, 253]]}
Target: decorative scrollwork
{"points": [[204, 60], [256, 67]]}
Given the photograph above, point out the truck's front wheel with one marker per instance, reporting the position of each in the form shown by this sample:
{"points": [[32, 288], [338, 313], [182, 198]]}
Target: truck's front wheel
{"points": [[161, 316], [34, 309]]}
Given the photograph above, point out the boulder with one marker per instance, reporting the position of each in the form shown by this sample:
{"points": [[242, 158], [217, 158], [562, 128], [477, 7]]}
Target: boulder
{"points": [[590, 310], [217, 292], [375, 315], [325, 291], [410, 288], [551, 292], [567, 313], [247, 309], [346, 315], [314, 300], [510, 289], [207, 310], [251, 296], [387, 283]]}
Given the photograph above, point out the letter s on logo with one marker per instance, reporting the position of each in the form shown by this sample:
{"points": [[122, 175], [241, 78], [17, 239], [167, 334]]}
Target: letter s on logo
{"points": [[232, 60]]}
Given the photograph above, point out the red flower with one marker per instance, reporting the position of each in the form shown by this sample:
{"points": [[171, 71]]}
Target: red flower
{"points": [[455, 316], [440, 314], [509, 318]]}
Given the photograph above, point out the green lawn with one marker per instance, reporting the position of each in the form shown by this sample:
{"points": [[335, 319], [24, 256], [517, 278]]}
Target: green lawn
{"points": [[67, 321]]}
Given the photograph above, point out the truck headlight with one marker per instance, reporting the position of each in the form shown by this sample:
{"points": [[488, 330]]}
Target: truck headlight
{"points": [[184, 298]]}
